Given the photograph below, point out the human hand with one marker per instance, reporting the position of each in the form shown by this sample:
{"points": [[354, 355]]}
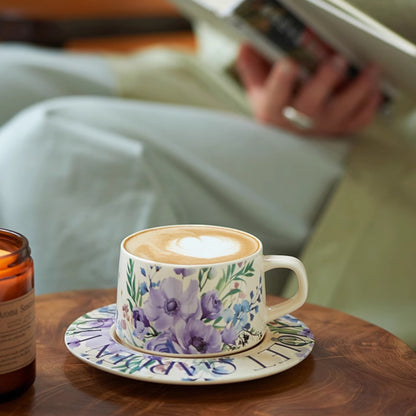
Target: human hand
{"points": [[332, 105]]}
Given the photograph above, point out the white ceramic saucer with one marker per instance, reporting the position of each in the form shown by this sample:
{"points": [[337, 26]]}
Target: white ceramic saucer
{"points": [[288, 342]]}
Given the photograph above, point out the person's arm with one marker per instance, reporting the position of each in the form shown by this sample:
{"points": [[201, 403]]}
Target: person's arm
{"points": [[330, 103]]}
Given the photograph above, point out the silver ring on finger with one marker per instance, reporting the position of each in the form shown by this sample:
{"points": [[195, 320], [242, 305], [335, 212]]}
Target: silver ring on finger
{"points": [[297, 119]]}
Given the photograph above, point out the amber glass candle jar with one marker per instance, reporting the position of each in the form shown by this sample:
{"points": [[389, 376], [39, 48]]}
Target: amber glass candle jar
{"points": [[17, 315]]}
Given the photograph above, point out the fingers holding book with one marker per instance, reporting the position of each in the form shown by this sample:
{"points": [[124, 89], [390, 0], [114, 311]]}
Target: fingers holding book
{"points": [[325, 103]]}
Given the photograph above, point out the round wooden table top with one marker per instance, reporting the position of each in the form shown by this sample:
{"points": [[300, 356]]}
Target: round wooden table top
{"points": [[355, 368]]}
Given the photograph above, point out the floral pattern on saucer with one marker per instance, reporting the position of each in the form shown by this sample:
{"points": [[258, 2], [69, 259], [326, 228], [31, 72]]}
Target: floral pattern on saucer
{"points": [[90, 338]]}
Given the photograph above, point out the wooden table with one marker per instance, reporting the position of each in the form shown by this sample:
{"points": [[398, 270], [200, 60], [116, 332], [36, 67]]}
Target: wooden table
{"points": [[355, 368]]}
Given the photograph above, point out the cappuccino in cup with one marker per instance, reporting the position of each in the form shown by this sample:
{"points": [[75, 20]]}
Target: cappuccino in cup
{"points": [[197, 290], [192, 245]]}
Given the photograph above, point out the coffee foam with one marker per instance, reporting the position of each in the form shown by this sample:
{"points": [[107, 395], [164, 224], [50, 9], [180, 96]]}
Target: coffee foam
{"points": [[191, 244]]}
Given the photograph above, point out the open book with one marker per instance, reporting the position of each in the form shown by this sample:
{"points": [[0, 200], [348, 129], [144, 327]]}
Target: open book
{"points": [[311, 30]]}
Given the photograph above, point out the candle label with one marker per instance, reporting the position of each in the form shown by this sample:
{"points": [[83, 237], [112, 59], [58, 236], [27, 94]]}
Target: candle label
{"points": [[17, 333]]}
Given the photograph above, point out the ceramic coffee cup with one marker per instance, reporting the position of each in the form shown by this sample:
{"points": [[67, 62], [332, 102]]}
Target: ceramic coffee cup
{"points": [[197, 290]]}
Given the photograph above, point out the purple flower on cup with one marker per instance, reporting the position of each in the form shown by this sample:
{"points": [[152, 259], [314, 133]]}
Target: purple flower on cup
{"points": [[169, 303], [211, 305], [184, 271], [195, 337], [229, 336], [141, 323], [139, 318]]}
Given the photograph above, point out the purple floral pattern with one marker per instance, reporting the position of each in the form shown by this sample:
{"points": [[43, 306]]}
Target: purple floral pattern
{"points": [[211, 305], [187, 311], [169, 304], [90, 338]]}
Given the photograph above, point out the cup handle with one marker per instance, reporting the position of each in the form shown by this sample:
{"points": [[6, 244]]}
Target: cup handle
{"points": [[295, 302]]}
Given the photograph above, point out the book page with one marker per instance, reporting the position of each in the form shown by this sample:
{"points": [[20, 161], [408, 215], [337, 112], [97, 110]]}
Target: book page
{"points": [[361, 16], [397, 15], [313, 11], [366, 19]]}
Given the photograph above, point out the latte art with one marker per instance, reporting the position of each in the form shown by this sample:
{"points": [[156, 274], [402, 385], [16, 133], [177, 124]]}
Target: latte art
{"points": [[191, 244], [205, 246]]}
